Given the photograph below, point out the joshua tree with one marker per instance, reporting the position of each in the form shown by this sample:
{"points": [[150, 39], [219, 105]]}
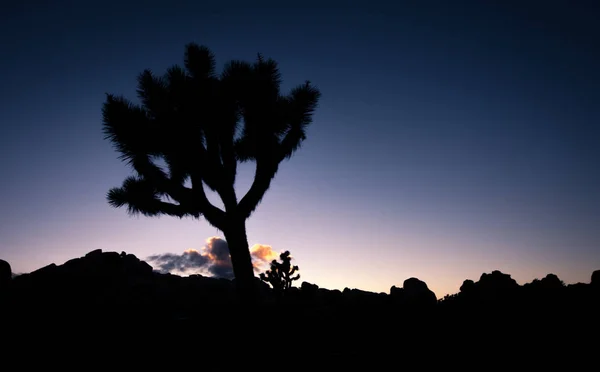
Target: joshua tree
{"points": [[192, 128], [281, 274]]}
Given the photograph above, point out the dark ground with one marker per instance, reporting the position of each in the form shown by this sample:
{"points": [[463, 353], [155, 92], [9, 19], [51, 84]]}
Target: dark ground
{"points": [[107, 310]]}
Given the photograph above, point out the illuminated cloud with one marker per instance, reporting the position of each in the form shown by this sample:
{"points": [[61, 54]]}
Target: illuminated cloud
{"points": [[217, 251], [262, 255], [213, 259]]}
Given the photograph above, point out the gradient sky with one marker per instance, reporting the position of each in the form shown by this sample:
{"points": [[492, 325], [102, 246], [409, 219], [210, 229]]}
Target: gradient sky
{"points": [[453, 137]]}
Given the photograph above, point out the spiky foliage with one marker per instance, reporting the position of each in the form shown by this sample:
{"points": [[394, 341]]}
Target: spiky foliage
{"points": [[195, 125], [281, 274]]}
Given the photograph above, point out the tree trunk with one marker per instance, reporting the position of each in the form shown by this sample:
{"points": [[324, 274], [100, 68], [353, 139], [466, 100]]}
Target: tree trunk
{"points": [[235, 235]]}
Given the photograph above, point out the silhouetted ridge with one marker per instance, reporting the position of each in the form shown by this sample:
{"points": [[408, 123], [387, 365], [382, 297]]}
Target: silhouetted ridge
{"points": [[110, 292], [117, 284], [498, 293]]}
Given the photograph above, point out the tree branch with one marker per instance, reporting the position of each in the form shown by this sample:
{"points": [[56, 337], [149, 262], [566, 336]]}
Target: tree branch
{"points": [[214, 215], [221, 180], [141, 197], [230, 171], [265, 172], [290, 143], [163, 184]]}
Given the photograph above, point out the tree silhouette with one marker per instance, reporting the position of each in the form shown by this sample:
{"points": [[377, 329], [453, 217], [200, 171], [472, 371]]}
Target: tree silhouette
{"points": [[190, 131], [281, 274]]}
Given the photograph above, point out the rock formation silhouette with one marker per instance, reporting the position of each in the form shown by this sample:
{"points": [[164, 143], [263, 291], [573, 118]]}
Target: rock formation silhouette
{"points": [[5, 275], [117, 293]]}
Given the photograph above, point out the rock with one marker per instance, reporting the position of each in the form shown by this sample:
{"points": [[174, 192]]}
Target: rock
{"points": [[596, 279], [5, 274], [309, 287], [397, 296], [45, 271], [359, 295], [94, 253], [417, 293], [309, 290], [497, 281], [551, 281], [468, 286]]}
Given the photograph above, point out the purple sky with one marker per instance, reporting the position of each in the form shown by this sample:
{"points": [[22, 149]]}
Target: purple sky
{"points": [[450, 140]]}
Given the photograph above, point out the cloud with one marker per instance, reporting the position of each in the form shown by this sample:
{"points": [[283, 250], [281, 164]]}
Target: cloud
{"points": [[170, 262], [262, 255], [213, 259], [217, 251]]}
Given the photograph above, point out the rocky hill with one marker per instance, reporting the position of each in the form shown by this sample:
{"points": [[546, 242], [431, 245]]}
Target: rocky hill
{"points": [[103, 294]]}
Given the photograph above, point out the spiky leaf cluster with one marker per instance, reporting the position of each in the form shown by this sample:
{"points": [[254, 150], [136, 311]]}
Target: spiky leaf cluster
{"points": [[194, 124]]}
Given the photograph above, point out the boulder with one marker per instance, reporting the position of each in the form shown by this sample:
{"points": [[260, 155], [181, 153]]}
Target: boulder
{"points": [[468, 286], [417, 293], [596, 279], [5, 274]]}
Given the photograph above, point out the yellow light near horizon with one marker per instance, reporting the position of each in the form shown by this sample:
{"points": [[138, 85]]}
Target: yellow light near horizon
{"points": [[265, 252]]}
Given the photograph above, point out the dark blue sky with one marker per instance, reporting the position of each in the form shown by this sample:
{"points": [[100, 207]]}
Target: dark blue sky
{"points": [[453, 137]]}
